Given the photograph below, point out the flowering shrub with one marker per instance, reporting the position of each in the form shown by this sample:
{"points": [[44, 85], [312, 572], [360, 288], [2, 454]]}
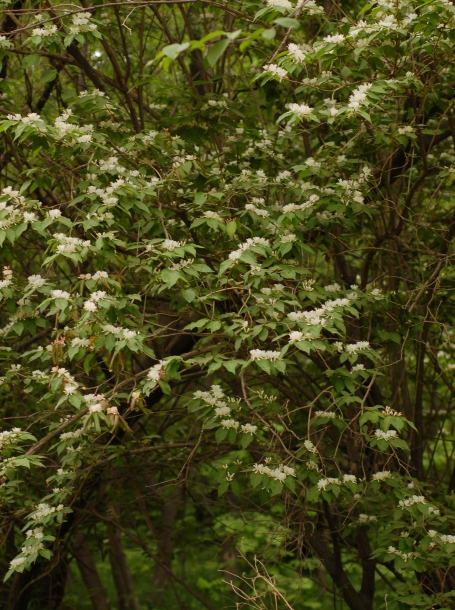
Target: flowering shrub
{"points": [[226, 235]]}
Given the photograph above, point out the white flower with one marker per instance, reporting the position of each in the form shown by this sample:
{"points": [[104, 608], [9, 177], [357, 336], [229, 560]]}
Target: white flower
{"points": [[296, 52], [349, 478], [329, 414], [288, 471], [381, 476], [281, 3], [112, 411], [259, 354], [289, 238], [277, 474], [85, 138], [358, 367], [300, 109], [96, 408], [411, 501], [90, 306], [296, 335], [366, 518], [170, 244], [17, 561], [235, 255], [60, 294], [310, 447], [222, 411], [54, 214], [230, 423], [358, 96], [36, 281], [276, 71], [70, 389], [335, 38], [353, 348], [129, 334], [385, 436], [29, 216], [155, 373], [248, 429]]}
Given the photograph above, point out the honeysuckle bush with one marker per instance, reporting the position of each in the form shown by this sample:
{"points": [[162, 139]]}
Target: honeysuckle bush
{"points": [[226, 306]]}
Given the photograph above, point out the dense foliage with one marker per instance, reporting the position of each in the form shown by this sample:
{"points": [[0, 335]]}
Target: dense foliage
{"points": [[226, 311]]}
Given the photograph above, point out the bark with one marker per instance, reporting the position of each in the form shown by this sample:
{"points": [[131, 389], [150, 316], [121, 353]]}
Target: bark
{"points": [[127, 599], [166, 543], [89, 573]]}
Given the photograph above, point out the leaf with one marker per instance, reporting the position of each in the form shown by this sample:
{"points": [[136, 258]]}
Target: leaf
{"points": [[30, 60], [170, 277], [231, 228], [48, 75], [189, 295], [173, 50], [216, 51], [287, 22]]}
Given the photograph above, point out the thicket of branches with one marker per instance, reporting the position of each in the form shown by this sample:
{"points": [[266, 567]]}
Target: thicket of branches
{"points": [[227, 354]]}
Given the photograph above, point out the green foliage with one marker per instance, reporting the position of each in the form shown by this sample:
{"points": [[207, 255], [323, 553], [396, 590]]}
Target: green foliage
{"points": [[226, 305]]}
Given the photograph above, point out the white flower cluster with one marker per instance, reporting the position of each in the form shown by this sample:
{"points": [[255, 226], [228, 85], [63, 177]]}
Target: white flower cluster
{"points": [[385, 436], [336, 38], [279, 474], [250, 207], [170, 244], [347, 478], [328, 414], [64, 436], [276, 71], [70, 385], [318, 316], [296, 52], [121, 333], [44, 510], [301, 110], [48, 30], [323, 483], [353, 348], [280, 4], [92, 304], [96, 277], [411, 501], [250, 243], [7, 278], [363, 518], [359, 96], [296, 207], [309, 446], [214, 398], [68, 245], [156, 372], [31, 118], [260, 354], [381, 475], [8, 436], [404, 556], [81, 23]]}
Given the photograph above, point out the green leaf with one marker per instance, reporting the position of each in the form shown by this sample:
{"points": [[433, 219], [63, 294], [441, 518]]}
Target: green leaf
{"points": [[231, 228], [48, 75], [189, 295], [216, 51], [287, 22], [173, 50]]}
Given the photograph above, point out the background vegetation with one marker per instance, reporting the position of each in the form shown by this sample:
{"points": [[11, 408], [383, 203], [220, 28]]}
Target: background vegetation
{"points": [[226, 316]]}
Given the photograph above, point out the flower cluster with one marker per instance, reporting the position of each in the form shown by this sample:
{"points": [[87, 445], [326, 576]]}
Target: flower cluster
{"points": [[279, 474], [385, 436]]}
